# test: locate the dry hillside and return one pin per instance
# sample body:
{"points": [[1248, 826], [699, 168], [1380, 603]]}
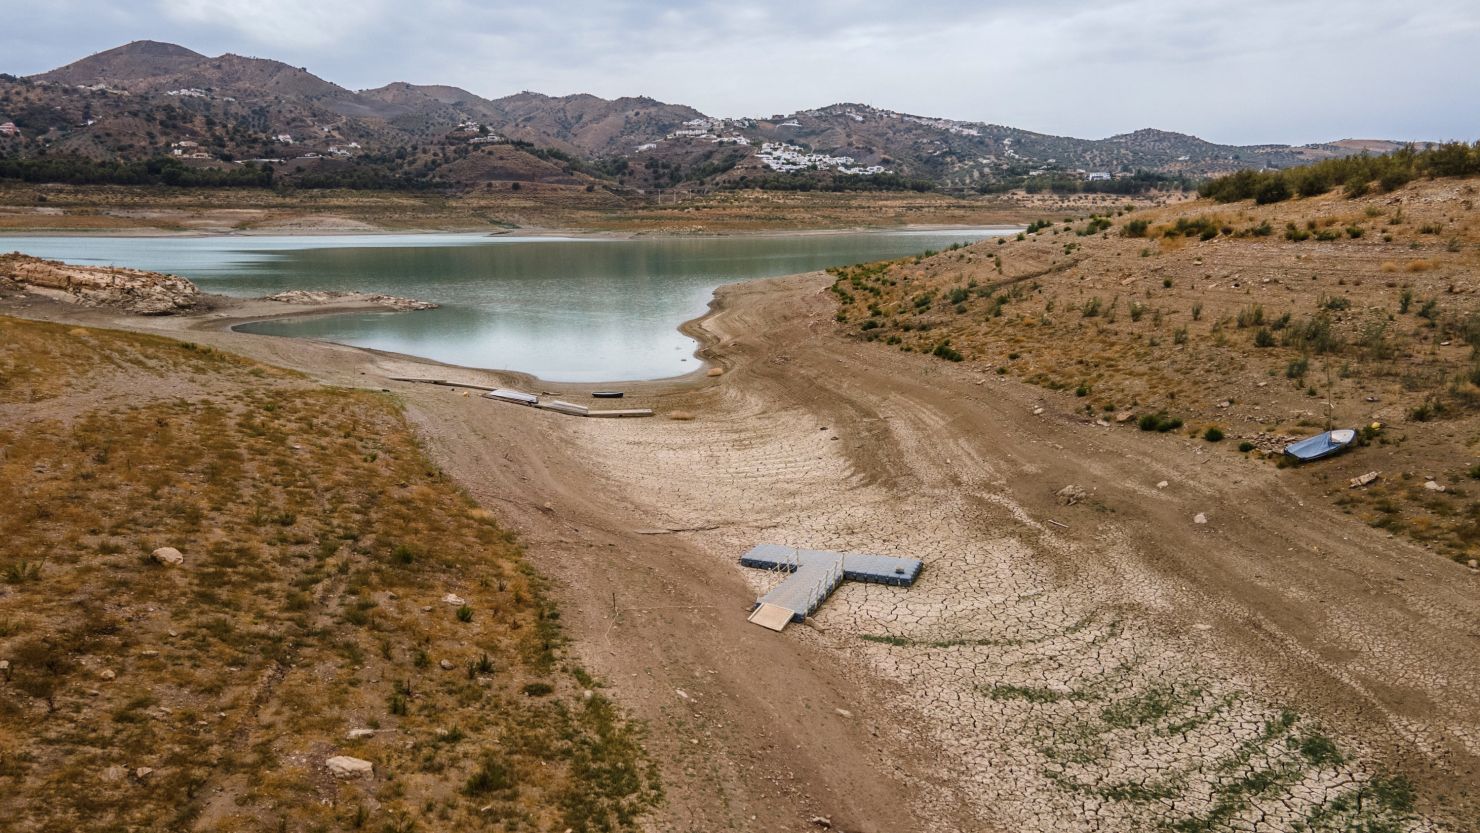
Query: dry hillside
{"points": [[338, 596], [1249, 325]]}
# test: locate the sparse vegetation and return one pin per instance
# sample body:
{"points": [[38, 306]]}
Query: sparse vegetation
{"points": [[314, 530]]}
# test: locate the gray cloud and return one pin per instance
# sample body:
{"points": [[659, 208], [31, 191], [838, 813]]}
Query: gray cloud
{"points": [[1255, 71]]}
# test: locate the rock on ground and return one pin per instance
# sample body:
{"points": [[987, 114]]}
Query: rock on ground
{"points": [[343, 766], [169, 556]]}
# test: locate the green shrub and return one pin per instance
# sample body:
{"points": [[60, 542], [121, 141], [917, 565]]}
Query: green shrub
{"points": [[1214, 434], [1246, 446], [945, 351], [1158, 422]]}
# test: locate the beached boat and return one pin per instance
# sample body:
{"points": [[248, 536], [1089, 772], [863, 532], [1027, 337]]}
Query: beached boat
{"points": [[1321, 445], [607, 394]]}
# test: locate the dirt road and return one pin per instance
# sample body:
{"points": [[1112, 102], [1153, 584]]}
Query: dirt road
{"points": [[1105, 665]]}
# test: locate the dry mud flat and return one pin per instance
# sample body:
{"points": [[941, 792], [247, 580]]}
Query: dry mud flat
{"points": [[1106, 665]]}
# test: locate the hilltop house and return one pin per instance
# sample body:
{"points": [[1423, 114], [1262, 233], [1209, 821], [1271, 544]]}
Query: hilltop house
{"points": [[1097, 176], [9, 129]]}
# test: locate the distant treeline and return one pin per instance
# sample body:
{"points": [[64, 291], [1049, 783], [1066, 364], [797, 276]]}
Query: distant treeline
{"points": [[76, 170], [1356, 175], [1140, 182], [805, 182]]}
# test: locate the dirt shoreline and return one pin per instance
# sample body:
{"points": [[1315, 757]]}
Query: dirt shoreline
{"points": [[579, 233], [811, 439]]}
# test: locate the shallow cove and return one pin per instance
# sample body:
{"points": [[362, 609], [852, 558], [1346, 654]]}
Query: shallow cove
{"points": [[561, 308]]}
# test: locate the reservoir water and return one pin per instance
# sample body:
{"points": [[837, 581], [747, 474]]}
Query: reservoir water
{"points": [[561, 308]]}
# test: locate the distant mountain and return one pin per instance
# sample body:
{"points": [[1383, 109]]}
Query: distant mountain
{"points": [[147, 99], [122, 65]]}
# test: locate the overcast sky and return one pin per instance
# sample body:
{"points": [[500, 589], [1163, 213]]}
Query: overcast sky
{"points": [[1246, 71]]}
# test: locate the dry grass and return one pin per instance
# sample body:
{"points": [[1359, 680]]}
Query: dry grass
{"points": [[1265, 321], [319, 543]]}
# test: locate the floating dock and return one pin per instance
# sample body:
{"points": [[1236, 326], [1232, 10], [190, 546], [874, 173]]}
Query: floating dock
{"points": [[815, 574], [518, 397]]}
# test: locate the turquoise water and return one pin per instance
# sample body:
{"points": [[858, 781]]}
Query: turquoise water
{"points": [[563, 309]]}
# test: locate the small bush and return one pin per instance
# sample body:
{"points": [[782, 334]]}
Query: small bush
{"points": [[464, 614], [1246, 446], [1214, 434], [945, 351], [1158, 422]]}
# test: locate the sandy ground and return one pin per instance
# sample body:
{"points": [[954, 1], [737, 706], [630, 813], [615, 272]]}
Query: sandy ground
{"points": [[1106, 665]]}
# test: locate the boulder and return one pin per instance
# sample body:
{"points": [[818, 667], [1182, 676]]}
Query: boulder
{"points": [[1364, 479], [343, 766], [169, 556], [1200, 518], [1071, 494], [454, 599], [360, 734]]}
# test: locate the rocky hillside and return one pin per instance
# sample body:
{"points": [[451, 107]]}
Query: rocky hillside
{"points": [[1238, 328], [131, 290], [147, 100]]}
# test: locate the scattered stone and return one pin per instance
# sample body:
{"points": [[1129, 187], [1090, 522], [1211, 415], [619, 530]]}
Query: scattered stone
{"points": [[1364, 479], [1433, 486], [1124, 416], [115, 773], [715, 371], [1162, 485], [1473, 564], [4, 666], [454, 599], [360, 734], [446, 664], [587, 694], [1200, 518], [682, 695], [143, 772], [1202, 626], [313, 297], [343, 766], [107, 674], [169, 556], [1071, 494], [843, 712], [823, 822], [1037, 411], [680, 416]]}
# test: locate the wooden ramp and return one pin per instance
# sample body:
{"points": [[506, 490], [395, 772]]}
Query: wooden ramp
{"points": [[771, 616]]}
